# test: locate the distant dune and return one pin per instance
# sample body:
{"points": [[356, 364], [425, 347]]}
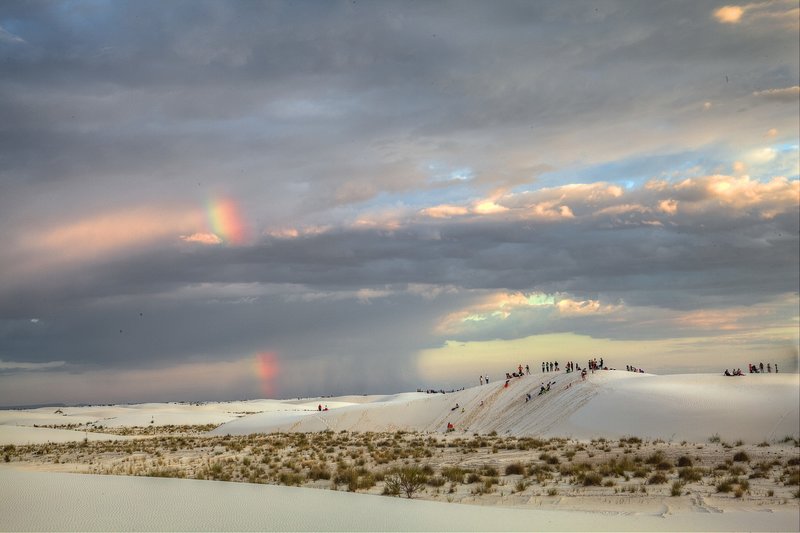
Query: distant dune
{"points": [[611, 404], [608, 404]]}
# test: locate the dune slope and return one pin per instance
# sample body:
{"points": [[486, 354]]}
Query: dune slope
{"points": [[607, 404]]}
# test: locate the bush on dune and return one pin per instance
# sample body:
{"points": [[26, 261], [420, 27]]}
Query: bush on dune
{"points": [[406, 480]]}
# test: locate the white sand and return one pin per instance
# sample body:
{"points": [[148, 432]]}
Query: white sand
{"points": [[18, 435], [608, 404], [79, 502]]}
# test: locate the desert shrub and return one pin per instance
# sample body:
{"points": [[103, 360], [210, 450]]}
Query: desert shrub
{"points": [[390, 488], [677, 487], [741, 457], [689, 474], [165, 472], [684, 461], [552, 492], [715, 438], [515, 469], [489, 481], [655, 458], [588, 479], [291, 478], [736, 470], [486, 470], [346, 475], [436, 481], [617, 468], [319, 472], [454, 474], [549, 459], [664, 465], [473, 477], [794, 461], [521, 485], [565, 469], [406, 480], [657, 479], [725, 486]]}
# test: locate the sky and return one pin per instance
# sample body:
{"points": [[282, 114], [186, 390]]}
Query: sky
{"points": [[231, 200]]}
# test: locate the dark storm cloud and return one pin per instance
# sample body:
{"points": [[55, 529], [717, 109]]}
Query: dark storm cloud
{"points": [[355, 118]]}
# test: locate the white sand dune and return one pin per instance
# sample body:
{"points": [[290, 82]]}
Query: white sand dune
{"points": [[608, 404], [17, 425], [18, 435], [78, 502]]}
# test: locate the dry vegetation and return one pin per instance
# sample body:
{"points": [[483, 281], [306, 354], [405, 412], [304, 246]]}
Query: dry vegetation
{"points": [[478, 468]]}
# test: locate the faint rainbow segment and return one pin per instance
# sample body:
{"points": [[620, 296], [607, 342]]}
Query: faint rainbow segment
{"points": [[267, 369], [226, 220]]}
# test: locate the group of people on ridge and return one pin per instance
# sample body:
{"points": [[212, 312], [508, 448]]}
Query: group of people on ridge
{"points": [[759, 368], [753, 369]]}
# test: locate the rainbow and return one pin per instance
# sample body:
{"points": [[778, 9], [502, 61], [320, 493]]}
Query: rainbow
{"points": [[226, 221], [267, 369]]}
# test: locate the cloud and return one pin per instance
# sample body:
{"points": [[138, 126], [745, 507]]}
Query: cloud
{"points": [[202, 238], [729, 14], [98, 234], [389, 179], [8, 37], [15, 366], [445, 211], [786, 94], [783, 12]]}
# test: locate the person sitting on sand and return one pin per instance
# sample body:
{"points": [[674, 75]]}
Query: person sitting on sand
{"points": [[727, 373], [450, 427]]}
